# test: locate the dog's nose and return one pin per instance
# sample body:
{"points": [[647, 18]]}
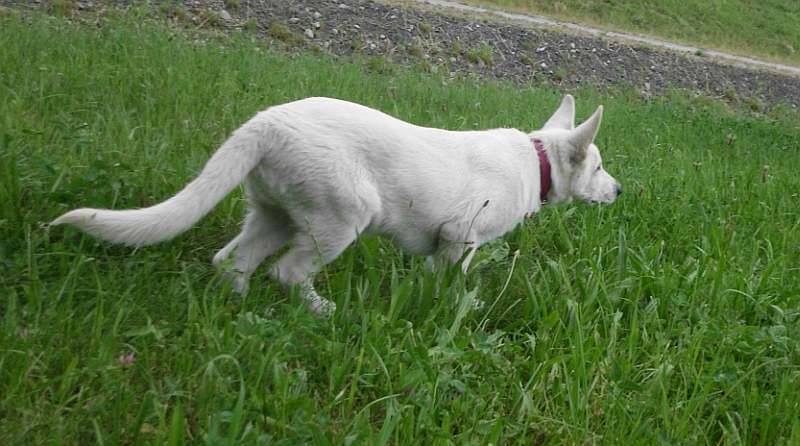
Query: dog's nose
{"points": [[619, 189]]}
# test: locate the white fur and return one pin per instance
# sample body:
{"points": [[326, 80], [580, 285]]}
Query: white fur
{"points": [[319, 172]]}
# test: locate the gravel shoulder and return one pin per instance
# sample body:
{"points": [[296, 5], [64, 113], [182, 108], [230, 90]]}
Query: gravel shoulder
{"points": [[624, 37], [458, 44]]}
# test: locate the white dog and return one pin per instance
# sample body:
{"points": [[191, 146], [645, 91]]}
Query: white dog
{"points": [[319, 172]]}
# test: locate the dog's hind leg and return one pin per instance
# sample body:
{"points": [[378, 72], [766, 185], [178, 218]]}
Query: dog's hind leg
{"points": [[311, 249], [264, 231]]}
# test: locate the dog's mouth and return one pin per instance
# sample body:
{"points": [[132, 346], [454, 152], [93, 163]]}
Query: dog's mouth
{"points": [[599, 201]]}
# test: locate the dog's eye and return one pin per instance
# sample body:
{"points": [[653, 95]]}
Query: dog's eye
{"points": [[599, 166]]}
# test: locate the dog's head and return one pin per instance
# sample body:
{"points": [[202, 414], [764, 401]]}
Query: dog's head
{"points": [[577, 168]]}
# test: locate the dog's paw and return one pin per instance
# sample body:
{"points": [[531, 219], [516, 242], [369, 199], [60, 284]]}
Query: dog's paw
{"points": [[239, 282], [322, 307], [319, 305]]}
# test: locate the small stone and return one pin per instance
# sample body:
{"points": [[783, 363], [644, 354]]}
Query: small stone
{"points": [[317, 15], [356, 27], [316, 25], [309, 33], [225, 15], [541, 49], [382, 36], [343, 6], [294, 20], [335, 31], [543, 66]]}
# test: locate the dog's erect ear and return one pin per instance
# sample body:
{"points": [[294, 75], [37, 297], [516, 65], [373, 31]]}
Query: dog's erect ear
{"points": [[564, 117], [583, 135]]}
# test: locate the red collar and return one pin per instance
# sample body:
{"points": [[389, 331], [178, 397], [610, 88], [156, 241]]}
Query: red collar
{"points": [[544, 169]]}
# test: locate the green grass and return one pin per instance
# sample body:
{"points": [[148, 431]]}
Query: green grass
{"points": [[670, 317], [767, 29]]}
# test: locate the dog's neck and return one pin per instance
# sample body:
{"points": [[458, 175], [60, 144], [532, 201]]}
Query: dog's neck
{"points": [[545, 180]]}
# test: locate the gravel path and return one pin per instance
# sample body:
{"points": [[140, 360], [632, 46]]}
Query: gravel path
{"points": [[457, 44], [633, 39]]}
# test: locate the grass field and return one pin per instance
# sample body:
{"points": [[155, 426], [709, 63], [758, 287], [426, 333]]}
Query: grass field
{"points": [[670, 317], [767, 28]]}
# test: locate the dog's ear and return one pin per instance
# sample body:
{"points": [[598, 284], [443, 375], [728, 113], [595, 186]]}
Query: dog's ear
{"points": [[583, 135], [564, 117]]}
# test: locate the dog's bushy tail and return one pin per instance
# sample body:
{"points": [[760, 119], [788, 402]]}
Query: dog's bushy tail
{"points": [[140, 227]]}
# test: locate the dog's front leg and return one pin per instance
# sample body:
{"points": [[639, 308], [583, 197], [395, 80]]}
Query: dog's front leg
{"points": [[430, 264], [457, 244]]}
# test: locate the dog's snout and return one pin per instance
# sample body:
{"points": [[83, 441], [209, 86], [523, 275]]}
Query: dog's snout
{"points": [[619, 189]]}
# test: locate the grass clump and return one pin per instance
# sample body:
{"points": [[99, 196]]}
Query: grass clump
{"points": [[482, 53], [380, 65], [210, 18], [560, 74], [755, 104], [5, 12], [283, 33], [456, 50], [251, 24], [526, 59], [729, 92], [63, 7], [358, 42], [175, 11], [415, 49], [425, 27]]}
